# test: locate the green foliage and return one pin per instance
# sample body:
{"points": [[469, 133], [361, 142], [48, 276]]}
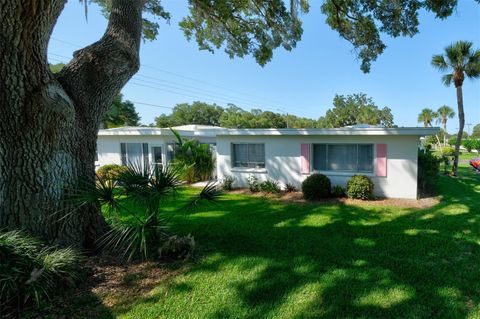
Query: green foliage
{"points": [[235, 117], [316, 186], [471, 144], [177, 247], [290, 188], [121, 113], [360, 187], [227, 182], [55, 68], [193, 160], [428, 169], [253, 183], [195, 113], [355, 109], [138, 229], [427, 116], [338, 191], [110, 170], [32, 271], [270, 186], [447, 151], [444, 113], [476, 131]]}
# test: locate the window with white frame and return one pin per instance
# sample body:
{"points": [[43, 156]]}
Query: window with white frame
{"points": [[135, 154], [248, 155], [355, 158]]}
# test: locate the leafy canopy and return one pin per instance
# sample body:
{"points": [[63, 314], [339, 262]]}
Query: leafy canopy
{"points": [[427, 116], [257, 27], [121, 113], [459, 60], [355, 109]]}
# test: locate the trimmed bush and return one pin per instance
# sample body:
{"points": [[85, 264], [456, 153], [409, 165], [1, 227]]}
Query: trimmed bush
{"points": [[31, 271], [338, 191], [111, 171], [227, 183], [270, 186], [290, 188], [253, 183], [428, 169], [360, 187], [316, 186]]}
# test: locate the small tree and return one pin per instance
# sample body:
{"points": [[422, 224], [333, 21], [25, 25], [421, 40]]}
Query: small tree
{"points": [[443, 114]]}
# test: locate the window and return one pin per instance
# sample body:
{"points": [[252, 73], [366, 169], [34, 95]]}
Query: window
{"points": [[157, 156], [343, 157], [172, 148], [134, 154], [248, 155]]}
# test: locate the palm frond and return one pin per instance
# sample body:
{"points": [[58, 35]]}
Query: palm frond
{"points": [[177, 135], [439, 62], [447, 79], [210, 193]]}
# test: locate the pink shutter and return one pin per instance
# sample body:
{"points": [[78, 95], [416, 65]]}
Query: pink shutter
{"points": [[305, 158], [381, 160]]}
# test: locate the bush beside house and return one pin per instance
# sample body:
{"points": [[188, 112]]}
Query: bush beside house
{"points": [[316, 186], [360, 187]]}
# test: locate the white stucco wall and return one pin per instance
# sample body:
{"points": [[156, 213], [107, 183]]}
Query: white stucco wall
{"points": [[282, 161]]}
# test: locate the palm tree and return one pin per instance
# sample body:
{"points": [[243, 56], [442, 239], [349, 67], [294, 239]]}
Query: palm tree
{"points": [[459, 60], [443, 114], [427, 116]]}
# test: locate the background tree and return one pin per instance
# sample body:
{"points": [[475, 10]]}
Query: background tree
{"points": [[427, 116], [459, 60], [196, 113], [355, 109], [443, 114], [121, 113], [57, 148], [476, 131]]}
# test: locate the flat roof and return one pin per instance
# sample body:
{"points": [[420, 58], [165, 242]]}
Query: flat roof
{"points": [[183, 130], [416, 131]]}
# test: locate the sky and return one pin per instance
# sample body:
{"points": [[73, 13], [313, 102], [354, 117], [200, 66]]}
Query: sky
{"points": [[302, 82]]}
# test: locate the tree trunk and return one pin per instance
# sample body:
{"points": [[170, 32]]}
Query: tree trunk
{"points": [[444, 133], [49, 124], [461, 120]]}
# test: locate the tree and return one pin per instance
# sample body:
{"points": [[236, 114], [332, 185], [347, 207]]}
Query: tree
{"points": [[49, 122], [353, 110], [196, 113], [121, 113], [443, 114], [427, 116], [460, 61], [476, 131]]}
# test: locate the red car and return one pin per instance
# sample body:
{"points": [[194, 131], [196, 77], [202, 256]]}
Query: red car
{"points": [[475, 163]]}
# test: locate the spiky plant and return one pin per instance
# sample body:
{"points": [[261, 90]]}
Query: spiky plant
{"points": [[460, 61]]}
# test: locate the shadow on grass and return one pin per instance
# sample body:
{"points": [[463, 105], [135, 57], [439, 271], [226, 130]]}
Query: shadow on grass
{"points": [[265, 259]]}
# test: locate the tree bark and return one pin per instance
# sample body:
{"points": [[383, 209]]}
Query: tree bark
{"points": [[461, 120], [49, 124]]}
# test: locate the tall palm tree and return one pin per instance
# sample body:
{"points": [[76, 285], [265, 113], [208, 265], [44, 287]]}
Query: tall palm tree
{"points": [[427, 116], [460, 61], [444, 113]]}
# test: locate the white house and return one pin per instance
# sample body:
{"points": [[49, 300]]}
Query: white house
{"points": [[146, 145], [387, 155]]}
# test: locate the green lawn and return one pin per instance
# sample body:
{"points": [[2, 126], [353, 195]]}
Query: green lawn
{"points": [[261, 258]]}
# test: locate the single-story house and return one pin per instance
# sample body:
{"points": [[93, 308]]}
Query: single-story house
{"points": [[387, 155], [147, 145]]}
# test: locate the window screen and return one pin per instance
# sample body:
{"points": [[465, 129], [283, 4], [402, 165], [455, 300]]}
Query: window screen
{"points": [[134, 154], [248, 155], [343, 157]]}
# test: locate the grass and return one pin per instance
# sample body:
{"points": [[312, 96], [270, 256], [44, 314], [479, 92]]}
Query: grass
{"points": [[261, 258]]}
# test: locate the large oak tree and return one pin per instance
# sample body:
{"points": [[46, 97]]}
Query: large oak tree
{"points": [[49, 122]]}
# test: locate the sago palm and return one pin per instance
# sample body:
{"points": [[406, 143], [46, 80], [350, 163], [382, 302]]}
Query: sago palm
{"points": [[443, 114], [461, 61]]}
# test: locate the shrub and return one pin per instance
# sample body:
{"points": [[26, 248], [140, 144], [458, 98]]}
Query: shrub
{"points": [[177, 247], [452, 140], [290, 188], [316, 186], [428, 169], [136, 230], [338, 191], [253, 183], [31, 271], [227, 182], [270, 186], [471, 144], [447, 151], [360, 187], [110, 170]]}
